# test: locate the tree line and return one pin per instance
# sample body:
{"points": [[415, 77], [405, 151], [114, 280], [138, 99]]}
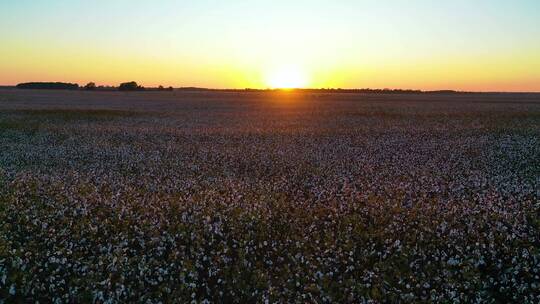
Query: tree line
{"points": [[48, 86], [134, 86], [91, 86]]}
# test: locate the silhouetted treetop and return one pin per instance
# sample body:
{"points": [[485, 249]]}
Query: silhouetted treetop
{"points": [[130, 86], [48, 86], [90, 86]]}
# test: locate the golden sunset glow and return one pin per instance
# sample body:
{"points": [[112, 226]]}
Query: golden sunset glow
{"points": [[350, 44]]}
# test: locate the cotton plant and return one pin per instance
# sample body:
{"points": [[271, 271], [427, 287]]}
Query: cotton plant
{"points": [[262, 203]]}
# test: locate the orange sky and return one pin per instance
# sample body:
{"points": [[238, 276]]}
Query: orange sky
{"points": [[480, 46]]}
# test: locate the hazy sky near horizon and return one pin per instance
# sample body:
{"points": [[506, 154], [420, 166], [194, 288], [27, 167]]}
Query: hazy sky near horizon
{"points": [[484, 45]]}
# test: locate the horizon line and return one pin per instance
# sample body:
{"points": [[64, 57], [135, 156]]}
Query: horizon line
{"points": [[247, 89]]}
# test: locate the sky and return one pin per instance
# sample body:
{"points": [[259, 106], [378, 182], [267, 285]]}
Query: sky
{"points": [[473, 45]]}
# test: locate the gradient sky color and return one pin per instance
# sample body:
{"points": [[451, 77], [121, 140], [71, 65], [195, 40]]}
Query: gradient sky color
{"points": [[481, 45]]}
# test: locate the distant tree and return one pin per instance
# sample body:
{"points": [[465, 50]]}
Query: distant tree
{"points": [[160, 88], [90, 86], [48, 86], [130, 86], [170, 89]]}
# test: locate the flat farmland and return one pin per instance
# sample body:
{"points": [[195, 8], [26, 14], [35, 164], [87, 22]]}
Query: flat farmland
{"points": [[269, 196]]}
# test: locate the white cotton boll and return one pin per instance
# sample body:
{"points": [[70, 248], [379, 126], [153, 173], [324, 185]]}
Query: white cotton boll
{"points": [[12, 290]]}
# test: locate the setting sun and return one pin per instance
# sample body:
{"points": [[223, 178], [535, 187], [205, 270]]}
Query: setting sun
{"points": [[287, 77]]}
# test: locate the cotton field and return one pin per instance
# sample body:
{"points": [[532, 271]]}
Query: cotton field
{"points": [[269, 197]]}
